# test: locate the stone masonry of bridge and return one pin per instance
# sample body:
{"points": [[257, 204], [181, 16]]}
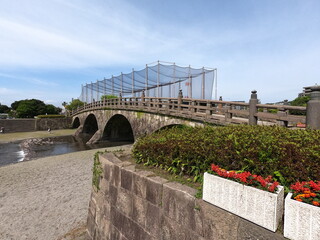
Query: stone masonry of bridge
{"points": [[141, 123]]}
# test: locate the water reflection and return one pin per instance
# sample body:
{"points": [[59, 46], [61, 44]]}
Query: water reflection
{"points": [[14, 153]]}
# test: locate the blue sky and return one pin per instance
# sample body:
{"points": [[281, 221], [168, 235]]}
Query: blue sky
{"points": [[49, 48]]}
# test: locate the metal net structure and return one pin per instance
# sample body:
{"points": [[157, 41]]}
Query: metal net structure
{"points": [[159, 79]]}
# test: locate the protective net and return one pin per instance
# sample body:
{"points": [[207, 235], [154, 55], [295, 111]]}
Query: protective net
{"points": [[156, 80]]}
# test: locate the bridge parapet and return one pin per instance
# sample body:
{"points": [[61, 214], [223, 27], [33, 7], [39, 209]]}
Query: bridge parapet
{"points": [[211, 111]]}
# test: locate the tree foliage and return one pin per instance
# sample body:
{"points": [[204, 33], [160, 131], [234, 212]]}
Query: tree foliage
{"points": [[299, 101], [4, 108], [74, 104], [29, 108], [108, 97]]}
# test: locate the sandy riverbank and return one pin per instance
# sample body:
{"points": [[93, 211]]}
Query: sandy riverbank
{"points": [[45, 198]]}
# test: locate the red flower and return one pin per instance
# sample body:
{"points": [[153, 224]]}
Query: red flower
{"points": [[247, 178], [316, 203]]}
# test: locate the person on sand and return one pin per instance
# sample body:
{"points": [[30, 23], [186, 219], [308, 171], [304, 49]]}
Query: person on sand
{"points": [[2, 130], [49, 130]]}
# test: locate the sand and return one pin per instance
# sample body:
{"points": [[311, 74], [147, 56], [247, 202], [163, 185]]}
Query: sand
{"points": [[45, 198]]}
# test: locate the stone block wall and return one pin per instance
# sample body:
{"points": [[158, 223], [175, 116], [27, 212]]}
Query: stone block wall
{"points": [[136, 205], [30, 125]]}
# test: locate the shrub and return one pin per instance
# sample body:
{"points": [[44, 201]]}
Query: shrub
{"points": [[51, 116], [287, 155]]}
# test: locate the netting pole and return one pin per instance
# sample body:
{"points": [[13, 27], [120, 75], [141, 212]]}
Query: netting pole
{"points": [[121, 84], [105, 86], [189, 85], [104, 91], [174, 81], [146, 86], [158, 79], [132, 76], [203, 84], [91, 92], [97, 90], [87, 93], [81, 93], [112, 85], [216, 83]]}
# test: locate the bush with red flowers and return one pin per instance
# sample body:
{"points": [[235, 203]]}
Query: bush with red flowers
{"points": [[308, 192], [247, 178]]}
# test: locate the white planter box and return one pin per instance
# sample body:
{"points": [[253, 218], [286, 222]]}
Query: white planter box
{"points": [[301, 220], [260, 207]]}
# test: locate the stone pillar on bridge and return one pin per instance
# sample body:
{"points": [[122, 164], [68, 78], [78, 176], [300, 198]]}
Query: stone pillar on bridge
{"points": [[283, 113], [142, 98], [253, 120], [313, 109], [120, 99], [180, 96]]}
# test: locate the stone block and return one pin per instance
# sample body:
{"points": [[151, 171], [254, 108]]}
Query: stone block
{"points": [[114, 233], [126, 177], [92, 207], [111, 168], [116, 176], [106, 210], [113, 195], [153, 219], [139, 210], [124, 202], [301, 220], [154, 189], [110, 157], [139, 183], [129, 228], [217, 223], [261, 207], [91, 225], [171, 230], [179, 204], [250, 231]]}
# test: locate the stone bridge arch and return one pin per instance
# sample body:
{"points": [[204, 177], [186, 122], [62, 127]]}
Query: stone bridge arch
{"points": [[141, 123], [118, 128]]}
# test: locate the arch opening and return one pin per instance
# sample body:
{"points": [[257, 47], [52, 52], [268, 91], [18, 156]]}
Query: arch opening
{"points": [[119, 129], [90, 126], [76, 123]]}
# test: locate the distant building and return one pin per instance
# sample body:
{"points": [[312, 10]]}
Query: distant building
{"points": [[306, 91]]}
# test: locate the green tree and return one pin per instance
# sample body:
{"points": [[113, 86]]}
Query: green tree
{"points": [[4, 108], [51, 109], [108, 97], [74, 104], [299, 101], [15, 104], [30, 107]]}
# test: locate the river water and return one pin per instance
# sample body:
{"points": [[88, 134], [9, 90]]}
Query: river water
{"points": [[19, 151]]}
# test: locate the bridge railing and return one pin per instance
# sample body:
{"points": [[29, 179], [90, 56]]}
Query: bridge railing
{"points": [[214, 111]]}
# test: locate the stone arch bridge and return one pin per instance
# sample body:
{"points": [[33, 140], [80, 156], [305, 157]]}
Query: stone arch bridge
{"points": [[122, 125], [127, 118]]}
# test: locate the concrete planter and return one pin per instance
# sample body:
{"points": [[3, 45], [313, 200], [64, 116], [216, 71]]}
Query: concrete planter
{"points": [[260, 207], [301, 220]]}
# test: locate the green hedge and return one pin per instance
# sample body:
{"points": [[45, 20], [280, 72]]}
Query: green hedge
{"points": [[51, 116], [288, 155]]}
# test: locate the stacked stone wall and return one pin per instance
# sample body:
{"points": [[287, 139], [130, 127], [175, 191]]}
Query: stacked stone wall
{"points": [[29, 125], [136, 205]]}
